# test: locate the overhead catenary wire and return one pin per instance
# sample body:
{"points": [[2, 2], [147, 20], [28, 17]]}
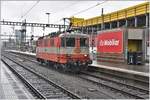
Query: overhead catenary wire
{"points": [[66, 7], [89, 8], [30, 9], [98, 4]]}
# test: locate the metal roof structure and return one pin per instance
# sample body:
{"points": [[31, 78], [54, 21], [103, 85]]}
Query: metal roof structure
{"points": [[114, 16]]}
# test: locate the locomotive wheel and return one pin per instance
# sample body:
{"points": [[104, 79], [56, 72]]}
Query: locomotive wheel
{"points": [[55, 65], [41, 61], [50, 64], [58, 66], [46, 62], [64, 68], [74, 69]]}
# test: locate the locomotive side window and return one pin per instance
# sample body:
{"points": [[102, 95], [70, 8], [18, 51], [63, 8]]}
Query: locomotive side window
{"points": [[52, 41], [70, 42], [45, 42], [83, 42], [37, 43], [63, 42], [40, 43]]}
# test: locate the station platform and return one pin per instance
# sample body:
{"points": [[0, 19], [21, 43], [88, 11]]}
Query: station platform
{"points": [[27, 53], [10, 86], [142, 70]]}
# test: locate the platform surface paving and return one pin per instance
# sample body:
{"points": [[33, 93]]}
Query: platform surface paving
{"points": [[133, 69], [10, 86]]}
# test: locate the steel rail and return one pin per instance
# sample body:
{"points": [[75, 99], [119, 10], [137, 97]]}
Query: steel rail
{"points": [[69, 93], [129, 78], [100, 78], [107, 85], [120, 76], [34, 90], [121, 83]]}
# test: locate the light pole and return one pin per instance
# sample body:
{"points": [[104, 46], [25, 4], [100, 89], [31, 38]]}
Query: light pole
{"points": [[102, 14], [48, 16]]}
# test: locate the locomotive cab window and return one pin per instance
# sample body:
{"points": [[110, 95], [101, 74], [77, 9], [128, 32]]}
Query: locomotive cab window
{"points": [[83, 42], [70, 42]]}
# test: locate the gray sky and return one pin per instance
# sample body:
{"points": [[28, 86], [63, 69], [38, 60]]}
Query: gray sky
{"points": [[13, 10]]}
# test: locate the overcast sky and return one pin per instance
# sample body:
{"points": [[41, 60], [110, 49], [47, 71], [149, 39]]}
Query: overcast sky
{"points": [[14, 10]]}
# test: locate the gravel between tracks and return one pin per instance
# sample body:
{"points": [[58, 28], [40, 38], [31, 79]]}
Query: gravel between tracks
{"points": [[75, 84]]}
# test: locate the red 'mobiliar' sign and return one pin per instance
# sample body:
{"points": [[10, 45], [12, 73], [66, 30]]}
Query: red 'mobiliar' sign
{"points": [[110, 42]]}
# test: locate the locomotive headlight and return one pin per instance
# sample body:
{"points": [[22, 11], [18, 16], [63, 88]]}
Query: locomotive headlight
{"points": [[85, 55]]}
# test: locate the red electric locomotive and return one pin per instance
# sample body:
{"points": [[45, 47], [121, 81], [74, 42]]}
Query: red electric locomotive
{"points": [[67, 51]]}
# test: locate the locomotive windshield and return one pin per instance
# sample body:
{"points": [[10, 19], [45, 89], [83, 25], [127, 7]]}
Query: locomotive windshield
{"points": [[83, 42], [70, 42]]}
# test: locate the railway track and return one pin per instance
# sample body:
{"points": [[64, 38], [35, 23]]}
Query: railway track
{"points": [[136, 78], [42, 87], [40, 69], [137, 92], [101, 73], [109, 73], [124, 88]]}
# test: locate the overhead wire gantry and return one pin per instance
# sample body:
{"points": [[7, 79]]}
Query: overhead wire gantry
{"points": [[32, 24]]}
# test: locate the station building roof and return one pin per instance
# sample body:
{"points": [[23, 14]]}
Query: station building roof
{"points": [[132, 11]]}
